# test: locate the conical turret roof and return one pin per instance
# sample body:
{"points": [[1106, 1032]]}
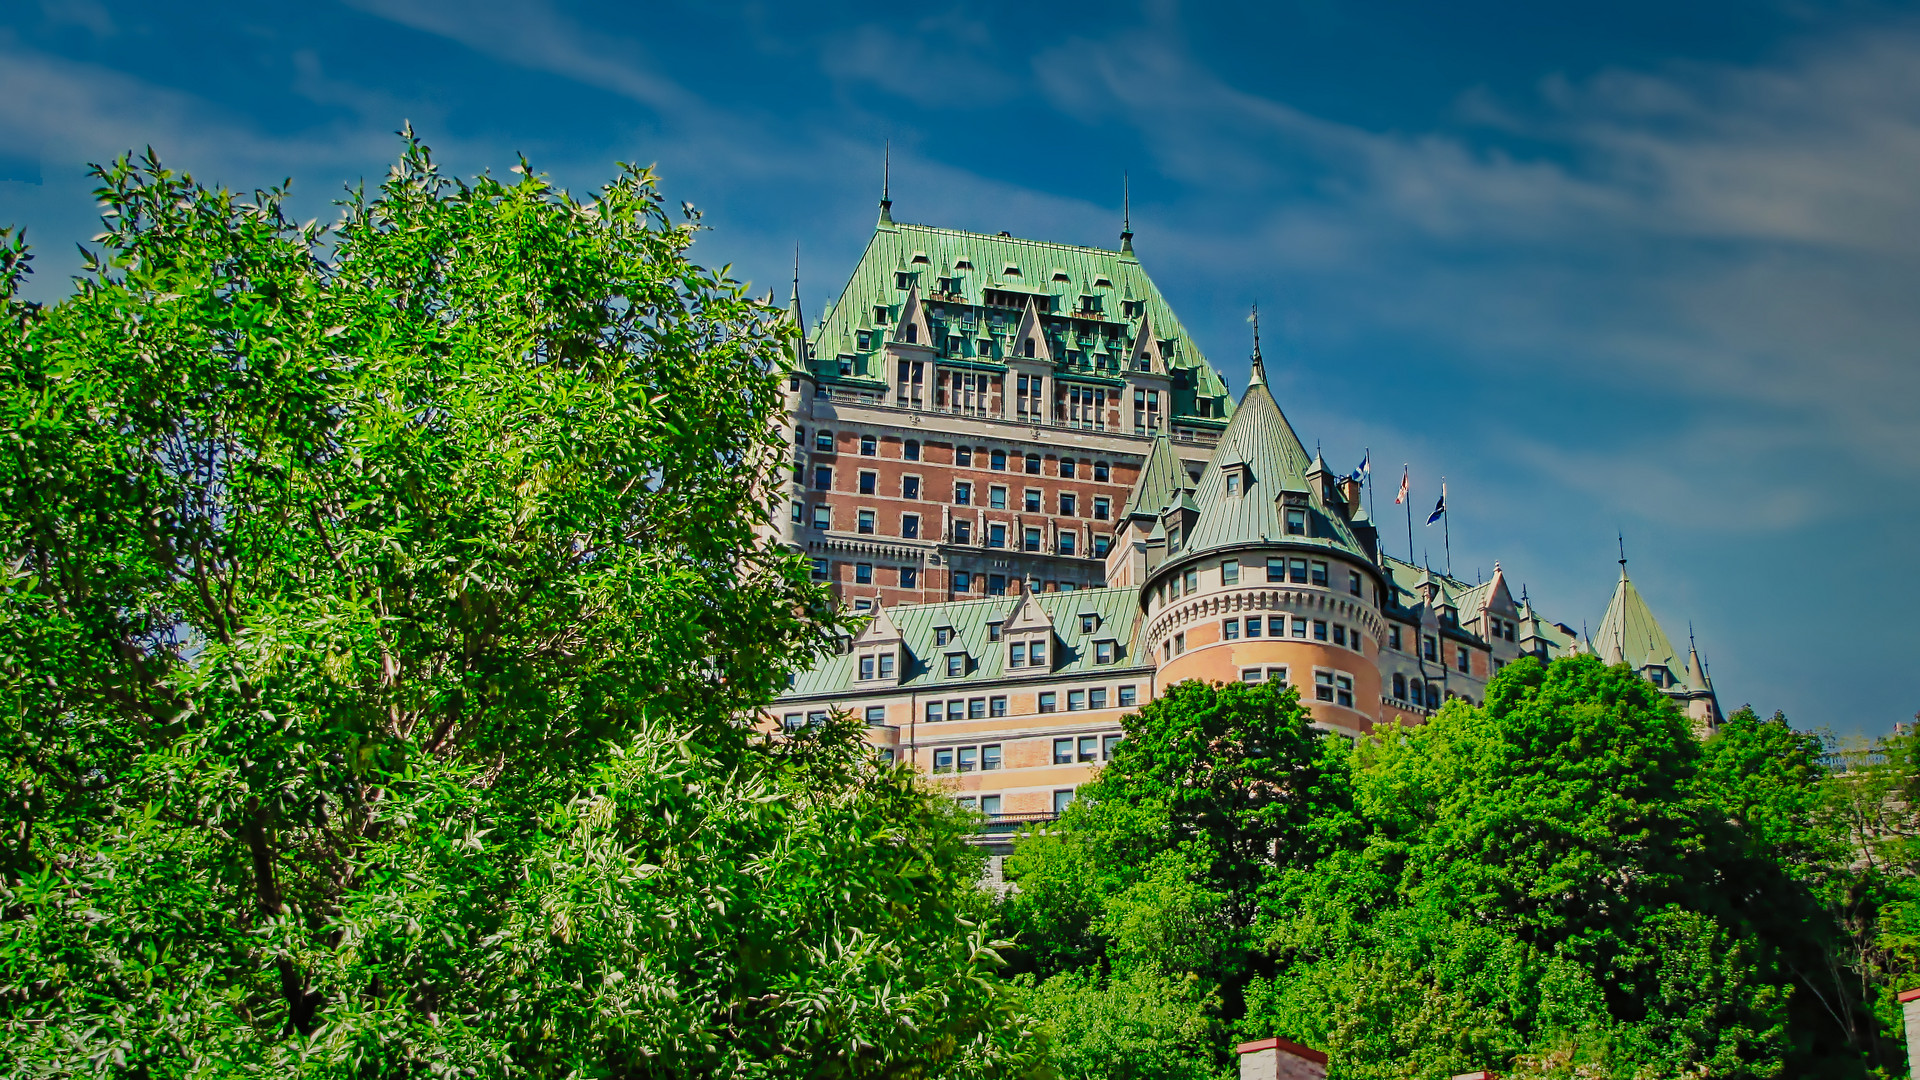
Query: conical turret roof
{"points": [[1260, 440], [1162, 478], [1630, 634]]}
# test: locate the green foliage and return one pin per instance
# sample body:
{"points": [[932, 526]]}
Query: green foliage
{"points": [[381, 610], [1140, 1025], [1563, 881]]}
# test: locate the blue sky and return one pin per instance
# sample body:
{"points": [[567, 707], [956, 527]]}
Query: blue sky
{"points": [[1646, 268]]}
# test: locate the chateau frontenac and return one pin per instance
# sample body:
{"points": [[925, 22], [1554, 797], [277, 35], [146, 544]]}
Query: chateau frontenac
{"points": [[1012, 458]]}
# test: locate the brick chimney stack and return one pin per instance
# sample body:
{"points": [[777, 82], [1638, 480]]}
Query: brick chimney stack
{"points": [[1278, 1059], [1909, 1012]]}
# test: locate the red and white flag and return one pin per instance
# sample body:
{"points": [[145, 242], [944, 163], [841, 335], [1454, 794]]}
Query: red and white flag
{"points": [[1402, 497]]}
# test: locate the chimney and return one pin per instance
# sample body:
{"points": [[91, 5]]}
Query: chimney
{"points": [[1350, 494], [1278, 1059], [1909, 1012]]}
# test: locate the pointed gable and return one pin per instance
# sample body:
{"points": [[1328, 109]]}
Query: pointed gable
{"points": [[1162, 478], [880, 630], [1030, 340], [1146, 349], [912, 327]]}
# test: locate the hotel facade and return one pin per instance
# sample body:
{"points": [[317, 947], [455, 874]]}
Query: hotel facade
{"points": [[1011, 457]]}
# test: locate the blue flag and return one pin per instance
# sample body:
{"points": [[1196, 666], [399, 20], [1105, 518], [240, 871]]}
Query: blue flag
{"points": [[1365, 468], [1439, 508]]}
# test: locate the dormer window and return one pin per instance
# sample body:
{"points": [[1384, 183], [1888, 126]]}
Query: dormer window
{"points": [[1102, 283], [1010, 270], [921, 257], [993, 631], [1089, 622], [902, 281], [1060, 275], [942, 635], [962, 263], [1296, 522], [1233, 483]]}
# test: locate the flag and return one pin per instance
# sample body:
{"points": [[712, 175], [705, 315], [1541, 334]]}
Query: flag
{"points": [[1402, 497], [1439, 508], [1364, 469]]}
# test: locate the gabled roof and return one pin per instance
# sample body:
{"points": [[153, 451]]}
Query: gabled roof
{"points": [[1260, 438], [925, 670], [893, 247], [1630, 634], [1162, 478]]}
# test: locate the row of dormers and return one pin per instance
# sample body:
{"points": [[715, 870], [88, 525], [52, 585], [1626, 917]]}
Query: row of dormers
{"points": [[1026, 634]]}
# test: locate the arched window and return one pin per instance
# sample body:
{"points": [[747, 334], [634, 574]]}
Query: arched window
{"points": [[1033, 464], [1433, 695], [1416, 692], [1000, 460], [1400, 688]]}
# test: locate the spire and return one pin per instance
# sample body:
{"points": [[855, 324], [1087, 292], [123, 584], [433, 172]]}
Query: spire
{"points": [[1126, 215], [1259, 366], [886, 183], [793, 313]]}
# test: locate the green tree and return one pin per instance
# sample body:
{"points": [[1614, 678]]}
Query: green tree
{"points": [[384, 611]]}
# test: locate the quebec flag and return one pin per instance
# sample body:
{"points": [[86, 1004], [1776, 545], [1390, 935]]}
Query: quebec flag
{"points": [[1439, 508]]}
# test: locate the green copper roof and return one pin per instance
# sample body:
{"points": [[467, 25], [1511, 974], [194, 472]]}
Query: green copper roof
{"points": [[1162, 478], [1056, 275], [1629, 633], [1260, 439], [925, 668]]}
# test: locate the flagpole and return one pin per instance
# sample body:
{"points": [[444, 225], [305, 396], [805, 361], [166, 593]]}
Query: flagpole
{"points": [[1446, 526], [1371, 515], [1409, 503]]}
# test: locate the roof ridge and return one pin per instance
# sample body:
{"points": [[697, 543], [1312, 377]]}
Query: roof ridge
{"points": [[998, 238]]}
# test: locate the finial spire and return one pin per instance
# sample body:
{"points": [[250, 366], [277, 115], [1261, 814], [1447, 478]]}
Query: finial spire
{"points": [[1259, 366], [886, 183], [1126, 214]]}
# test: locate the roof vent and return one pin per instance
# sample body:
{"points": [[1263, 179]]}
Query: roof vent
{"points": [[1060, 275]]}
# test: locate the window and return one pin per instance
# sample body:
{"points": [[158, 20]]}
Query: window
{"points": [[1276, 569], [1063, 751], [822, 516], [1233, 488], [1230, 630], [866, 666], [1299, 628], [1032, 500], [1049, 702], [1103, 652], [1102, 508], [1101, 545], [969, 758], [1089, 622], [1066, 467], [1319, 572], [876, 715], [1230, 572], [1277, 674], [1097, 698], [823, 477], [956, 665], [1393, 638], [909, 577], [1296, 523], [1253, 626], [956, 709], [823, 441], [911, 450], [1067, 542], [863, 573], [1089, 747], [943, 761], [1032, 539], [999, 461], [997, 497], [989, 804], [993, 631], [963, 532], [1319, 629], [792, 720], [942, 635], [1100, 471], [977, 708], [866, 522], [867, 446], [1037, 653], [799, 513], [1343, 690], [819, 569], [1062, 799], [910, 526], [1190, 581], [1416, 692], [1128, 695], [1353, 639], [869, 482], [936, 712], [1033, 464], [800, 436], [990, 762], [1339, 634], [962, 580], [1277, 625], [1430, 648], [1252, 674], [1068, 504], [1466, 661], [1017, 654], [1323, 685], [963, 456], [996, 537], [1433, 695], [1179, 643], [963, 494], [1076, 701], [997, 583], [1353, 582], [909, 487], [1400, 687]]}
